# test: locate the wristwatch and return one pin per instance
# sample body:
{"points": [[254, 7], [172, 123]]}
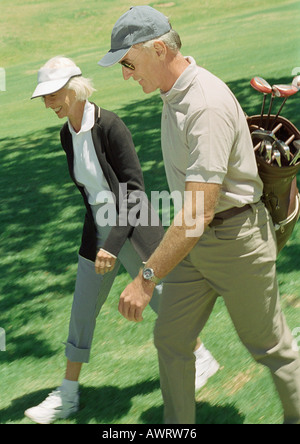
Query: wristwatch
{"points": [[148, 275]]}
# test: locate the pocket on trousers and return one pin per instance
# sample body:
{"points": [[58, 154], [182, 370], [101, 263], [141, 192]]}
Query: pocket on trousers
{"points": [[245, 226], [238, 227]]}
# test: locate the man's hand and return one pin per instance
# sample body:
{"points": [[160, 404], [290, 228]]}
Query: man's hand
{"points": [[105, 262], [135, 299]]}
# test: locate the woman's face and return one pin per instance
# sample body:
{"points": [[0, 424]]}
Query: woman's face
{"points": [[62, 102]]}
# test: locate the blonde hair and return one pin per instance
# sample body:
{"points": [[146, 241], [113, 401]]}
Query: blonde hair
{"points": [[82, 86]]}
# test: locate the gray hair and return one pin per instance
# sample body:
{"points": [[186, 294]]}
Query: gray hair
{"points": [[171, 40], [82, 86]]}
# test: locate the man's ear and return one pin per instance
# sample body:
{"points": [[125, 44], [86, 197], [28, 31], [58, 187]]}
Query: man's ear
{"points": [[160, 49]]}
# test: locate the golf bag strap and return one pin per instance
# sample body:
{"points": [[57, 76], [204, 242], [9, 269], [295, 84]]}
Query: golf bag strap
{"points": [[293, 215]]}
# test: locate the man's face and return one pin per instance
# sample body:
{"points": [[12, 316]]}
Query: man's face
{"points": [[147, 69]]}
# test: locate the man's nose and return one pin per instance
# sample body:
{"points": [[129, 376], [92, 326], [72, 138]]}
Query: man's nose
{"points": [[127, 73]]}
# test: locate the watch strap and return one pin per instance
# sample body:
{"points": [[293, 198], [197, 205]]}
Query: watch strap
{"points": [[153, 278]]}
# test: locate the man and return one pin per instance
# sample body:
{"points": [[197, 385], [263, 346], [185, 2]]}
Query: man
{"points": [[207, 150]]}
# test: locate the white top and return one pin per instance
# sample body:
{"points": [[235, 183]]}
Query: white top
{"points": [[205, 138], [87, 169]]}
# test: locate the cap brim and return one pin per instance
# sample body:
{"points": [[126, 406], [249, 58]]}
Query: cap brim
{"points": [[45, 88], [113, 57]]}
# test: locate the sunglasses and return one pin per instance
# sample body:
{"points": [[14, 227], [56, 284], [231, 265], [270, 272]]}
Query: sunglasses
{"points": [[128, 65]]}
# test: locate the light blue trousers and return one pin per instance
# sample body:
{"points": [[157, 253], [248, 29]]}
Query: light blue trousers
{"points": [[91, 291]]}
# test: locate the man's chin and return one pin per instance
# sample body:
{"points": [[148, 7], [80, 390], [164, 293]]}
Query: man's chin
{"points": [[148, 90]]}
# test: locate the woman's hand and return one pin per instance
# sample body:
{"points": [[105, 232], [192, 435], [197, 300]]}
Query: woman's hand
{"points": [[105, 262]]}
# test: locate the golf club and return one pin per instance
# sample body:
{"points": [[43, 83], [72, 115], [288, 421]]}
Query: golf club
{"points": [[270, 107], [290, 139], [296, 82], [287, 151], [277, 157], [262, 147], [269, 143], [263, 134], [284, 149], [269, 149], [296, 144], [296, 157], [283, 91], [264, 87]]}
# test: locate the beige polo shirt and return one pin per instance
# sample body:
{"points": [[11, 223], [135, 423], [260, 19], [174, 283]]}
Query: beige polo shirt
{"points": [[205, 138]]}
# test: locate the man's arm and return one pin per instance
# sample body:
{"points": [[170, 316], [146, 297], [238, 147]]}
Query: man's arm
{"points": [[175, 246]]}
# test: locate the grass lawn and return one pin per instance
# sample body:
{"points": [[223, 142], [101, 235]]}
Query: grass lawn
{"points": [[42, 213]]}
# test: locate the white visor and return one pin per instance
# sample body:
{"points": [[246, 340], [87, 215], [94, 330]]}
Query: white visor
{"points": [[52, 80]]}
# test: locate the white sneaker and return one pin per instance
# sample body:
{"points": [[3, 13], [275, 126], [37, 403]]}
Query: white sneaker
{"points": [[58, 405], [206, 366]]}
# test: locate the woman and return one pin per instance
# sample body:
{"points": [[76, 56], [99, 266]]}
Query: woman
{"points": [[104, 165]]}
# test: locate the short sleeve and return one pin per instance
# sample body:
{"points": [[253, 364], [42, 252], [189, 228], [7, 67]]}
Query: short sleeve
{"points": [[210, 138]]}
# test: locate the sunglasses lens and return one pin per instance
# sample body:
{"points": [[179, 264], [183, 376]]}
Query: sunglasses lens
{"points": [[128, 66]]}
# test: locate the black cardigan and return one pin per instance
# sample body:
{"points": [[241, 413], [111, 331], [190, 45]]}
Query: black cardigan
{"points": [[119, 162]]}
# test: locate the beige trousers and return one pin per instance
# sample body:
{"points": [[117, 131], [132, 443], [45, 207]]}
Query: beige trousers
{"points": [[236, 261]]}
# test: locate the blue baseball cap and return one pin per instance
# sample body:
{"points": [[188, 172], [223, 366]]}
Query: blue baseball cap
{"points": [[138, 25]]}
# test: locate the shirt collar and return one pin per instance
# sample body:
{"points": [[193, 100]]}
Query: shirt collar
{"points": [[88, 119], [184, 81]]}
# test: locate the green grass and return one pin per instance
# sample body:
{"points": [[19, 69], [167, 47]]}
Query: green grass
{"points": [[42, 214]]}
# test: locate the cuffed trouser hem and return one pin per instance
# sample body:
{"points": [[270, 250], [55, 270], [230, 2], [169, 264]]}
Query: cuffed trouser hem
{"points": [[75, 354], [90, 294]]}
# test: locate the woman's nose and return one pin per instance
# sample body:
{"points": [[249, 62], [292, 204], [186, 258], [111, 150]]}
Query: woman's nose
{"points": [[47, 101]]}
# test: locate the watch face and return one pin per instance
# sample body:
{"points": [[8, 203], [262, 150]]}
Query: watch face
{"points": [[148, 273]]}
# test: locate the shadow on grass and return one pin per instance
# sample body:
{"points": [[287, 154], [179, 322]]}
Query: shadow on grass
{"points": [[25, 345], [205, 414], [39, 234], [108, 404]]}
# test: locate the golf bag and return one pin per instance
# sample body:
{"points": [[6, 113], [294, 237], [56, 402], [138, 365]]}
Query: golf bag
{"points": [[280, 193]]}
